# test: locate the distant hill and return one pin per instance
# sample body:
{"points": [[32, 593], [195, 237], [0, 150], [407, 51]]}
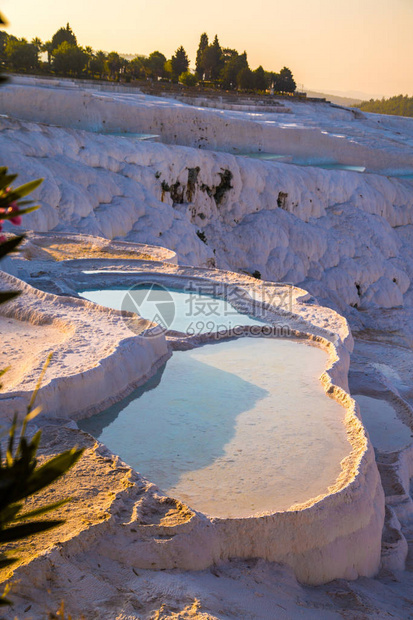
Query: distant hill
{"points": [[400, 105], [345, 101]]}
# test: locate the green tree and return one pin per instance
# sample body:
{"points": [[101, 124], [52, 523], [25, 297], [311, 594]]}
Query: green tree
{"points": [[97, 64], [179, 63], [124, 70], [62, 35], [212, 60], [286, 81], [48, 48], [69, 59], [277, 82], [229, 53], [38, 43], [400, 105], [90, 56], [155, 64], [167, 69], [245, 79], [136, 67], [269, 79], [188, 79], [114, 64], [4, 37], [199, 67], [260, 83], [231, 69], [21, 56]]}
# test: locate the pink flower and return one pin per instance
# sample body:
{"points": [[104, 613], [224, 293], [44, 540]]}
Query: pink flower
{"points": [[13, 206], [17, 220]]}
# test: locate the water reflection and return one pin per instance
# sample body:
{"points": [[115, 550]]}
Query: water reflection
{"points": [[182, 425]]}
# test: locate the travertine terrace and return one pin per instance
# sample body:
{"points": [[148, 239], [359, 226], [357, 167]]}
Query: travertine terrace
{"points": [[189, 206]]}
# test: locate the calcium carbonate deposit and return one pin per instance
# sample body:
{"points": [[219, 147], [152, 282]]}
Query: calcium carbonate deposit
{"points": [[344, 236], [301, 218]]}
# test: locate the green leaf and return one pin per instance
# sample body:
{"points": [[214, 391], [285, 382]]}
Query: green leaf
{"points": [[27, 188], [8, 216], [49, 472], [18, 532], [24, 202], [34, 444], [42, 510], [30, 415], [10, 245], [28, 209], [37, 388], [8, 513], [12, 436], [26, 450], [6, 179]]}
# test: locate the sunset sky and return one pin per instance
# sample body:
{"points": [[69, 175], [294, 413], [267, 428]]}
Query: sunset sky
{"points": [[330, 45]]}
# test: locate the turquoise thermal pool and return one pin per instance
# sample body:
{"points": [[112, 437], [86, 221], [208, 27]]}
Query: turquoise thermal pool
{"points": [[387, 432], [190, 312], [129, 134], [306, 161], [300, 161], [233, 429]]}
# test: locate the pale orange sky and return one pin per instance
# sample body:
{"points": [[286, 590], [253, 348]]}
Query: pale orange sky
{"points": [[330, 45]]}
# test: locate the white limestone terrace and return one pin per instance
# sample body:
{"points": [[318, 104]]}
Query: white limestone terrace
{"points": [[344, 236], [330, 536], [130, 524], [63, 247], [95, 361], [319, 131]]}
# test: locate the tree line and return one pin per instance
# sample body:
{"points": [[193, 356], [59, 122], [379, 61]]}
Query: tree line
{"points": [[215, 66], [400, 105], [229, 69]]}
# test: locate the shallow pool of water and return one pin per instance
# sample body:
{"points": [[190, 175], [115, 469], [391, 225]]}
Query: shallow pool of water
{"points": [[269, 157], [188, 311], [334, 166], [387, 432], [233, 429], [290, 159], [406, 177], [129, 134]]}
